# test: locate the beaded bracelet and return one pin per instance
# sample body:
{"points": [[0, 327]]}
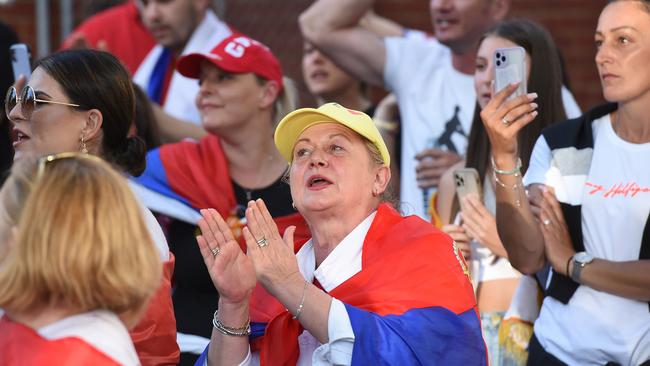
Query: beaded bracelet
{"points": [[244, 331], [302, 301], [515, 187], [515, 171]]}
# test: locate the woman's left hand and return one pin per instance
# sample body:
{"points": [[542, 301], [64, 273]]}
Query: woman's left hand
{"points": [[557, 241], [481, 225], [272, 255]]}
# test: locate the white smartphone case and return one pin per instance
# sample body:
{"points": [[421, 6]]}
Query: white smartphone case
{"points": [[510, 67], [20, 60]]}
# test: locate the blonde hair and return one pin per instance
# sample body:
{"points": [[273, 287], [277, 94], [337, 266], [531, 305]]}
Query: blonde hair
{"points": [[81, 243], [286, 101]]}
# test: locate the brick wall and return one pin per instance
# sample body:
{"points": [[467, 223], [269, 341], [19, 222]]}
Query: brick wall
{"points": [[571, 22]]}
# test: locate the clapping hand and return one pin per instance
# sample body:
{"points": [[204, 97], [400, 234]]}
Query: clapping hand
{"points": [[231, 271], [272, 255]]}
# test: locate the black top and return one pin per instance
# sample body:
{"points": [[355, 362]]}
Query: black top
{"points": [[194, 296]]}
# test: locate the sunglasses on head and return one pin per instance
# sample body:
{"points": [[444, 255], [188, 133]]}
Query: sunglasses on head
{"points": [[27, 100]]}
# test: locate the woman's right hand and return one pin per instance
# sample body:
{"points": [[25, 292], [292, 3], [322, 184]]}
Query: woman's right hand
{"points": [[232, 272], [462, 239], [504, 118]]}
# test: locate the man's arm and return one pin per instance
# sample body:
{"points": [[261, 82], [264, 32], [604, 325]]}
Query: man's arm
{"points": [[381, 26], [173, 129], [333, 27]]}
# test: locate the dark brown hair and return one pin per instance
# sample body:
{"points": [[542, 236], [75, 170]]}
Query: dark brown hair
{"points": [[97, 80]]}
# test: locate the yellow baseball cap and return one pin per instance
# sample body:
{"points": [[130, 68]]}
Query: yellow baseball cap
{"points": [[294, 123]]}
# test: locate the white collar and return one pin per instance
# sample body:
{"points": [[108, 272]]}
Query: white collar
{"points": [[341, 264], [101, 329], [210, 30]]}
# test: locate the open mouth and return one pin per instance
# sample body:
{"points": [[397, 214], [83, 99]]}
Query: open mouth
{"points": [[318, 181], [318, 75], [444, 23], [19, 137]]}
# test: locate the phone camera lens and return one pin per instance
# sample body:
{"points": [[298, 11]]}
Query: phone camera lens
{"points": [[503, 58], [498, 55], [498, 63]]}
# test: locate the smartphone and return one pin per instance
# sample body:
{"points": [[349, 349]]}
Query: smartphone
{"points": [[510, 67], [467, 181], [21, 60]]}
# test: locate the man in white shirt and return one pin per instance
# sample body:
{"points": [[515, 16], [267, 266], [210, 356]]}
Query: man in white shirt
{"points": [[180, 27], [432, 79]]}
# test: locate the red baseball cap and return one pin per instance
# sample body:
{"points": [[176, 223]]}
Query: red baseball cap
{"points": [[235, 54]]}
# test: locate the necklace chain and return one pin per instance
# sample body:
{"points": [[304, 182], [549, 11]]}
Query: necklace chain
{"points": [[256, 187]]}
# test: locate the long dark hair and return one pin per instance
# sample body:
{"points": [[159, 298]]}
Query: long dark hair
{"points": [[97, 80], [545, 79]]}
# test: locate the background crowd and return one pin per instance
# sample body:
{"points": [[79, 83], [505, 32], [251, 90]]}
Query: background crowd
{"points": [[362, 249]]}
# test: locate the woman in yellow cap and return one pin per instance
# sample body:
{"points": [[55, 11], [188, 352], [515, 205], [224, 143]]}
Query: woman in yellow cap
{"points": [[370, 287]]}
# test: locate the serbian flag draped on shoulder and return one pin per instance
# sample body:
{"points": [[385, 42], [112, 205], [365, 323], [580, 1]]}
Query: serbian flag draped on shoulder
{"points": [[184, 177], [411, 304]]}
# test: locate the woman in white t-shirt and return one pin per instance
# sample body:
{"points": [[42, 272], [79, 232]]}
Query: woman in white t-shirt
{"points": [[475, 229], [589, 189]]}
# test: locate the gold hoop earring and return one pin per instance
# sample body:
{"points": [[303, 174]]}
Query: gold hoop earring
{"points": [[84, 148], [293, 204]]}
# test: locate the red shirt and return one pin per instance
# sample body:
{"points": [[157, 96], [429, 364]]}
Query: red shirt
{"points": [[121, 31]]}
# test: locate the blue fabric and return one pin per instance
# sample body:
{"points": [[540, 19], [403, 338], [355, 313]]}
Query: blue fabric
{"points": [[257, 330], [157, 78], [155, 177], [428, 336], [203, 359]]}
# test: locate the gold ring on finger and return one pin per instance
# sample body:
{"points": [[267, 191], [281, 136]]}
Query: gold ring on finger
{"points": [[505, 121]]}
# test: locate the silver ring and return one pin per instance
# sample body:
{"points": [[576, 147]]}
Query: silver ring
{"points": [[215, 251], [546, 222], [505, 121], [262, 242]]}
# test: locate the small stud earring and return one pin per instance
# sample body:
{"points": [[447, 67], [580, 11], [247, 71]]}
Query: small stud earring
{"points": [[84, 148]]}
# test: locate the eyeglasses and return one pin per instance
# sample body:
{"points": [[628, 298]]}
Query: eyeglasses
{"points": [[27, 101], [43, 161]]}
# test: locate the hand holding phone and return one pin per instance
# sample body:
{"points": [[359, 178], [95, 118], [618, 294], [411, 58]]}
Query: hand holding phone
{"points": [[510, 67], [21, 61]]}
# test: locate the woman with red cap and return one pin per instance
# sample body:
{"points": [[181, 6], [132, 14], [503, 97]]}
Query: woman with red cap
{"points": [[242, 95]]}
